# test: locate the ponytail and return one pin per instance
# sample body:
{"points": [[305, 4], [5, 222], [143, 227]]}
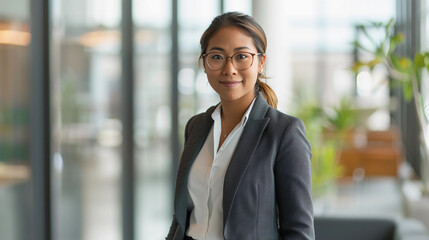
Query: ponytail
{"points": [[268, 93]]}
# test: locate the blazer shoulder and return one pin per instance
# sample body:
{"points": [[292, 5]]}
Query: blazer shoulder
{"points": [[283, 120], [200, 116], [198, 119]]}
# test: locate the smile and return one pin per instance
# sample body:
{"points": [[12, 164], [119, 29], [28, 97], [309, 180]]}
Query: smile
{"points": [[230, 83]]}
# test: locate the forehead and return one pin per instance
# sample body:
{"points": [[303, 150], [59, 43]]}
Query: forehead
{"points": [[231, 38]]}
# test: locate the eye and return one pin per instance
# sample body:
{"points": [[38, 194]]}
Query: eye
{"points": [[241, 56], [216, 56]]}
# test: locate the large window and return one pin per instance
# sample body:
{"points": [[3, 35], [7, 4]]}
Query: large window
{"points": [[14, 119], [320, 37], [196, 94], [152, 41], [86, 93]]}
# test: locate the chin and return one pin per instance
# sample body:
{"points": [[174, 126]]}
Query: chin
{"points": [[232, 97]]}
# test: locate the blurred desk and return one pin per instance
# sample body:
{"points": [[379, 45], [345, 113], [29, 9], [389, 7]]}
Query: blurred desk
{"points": [[377, 153]]}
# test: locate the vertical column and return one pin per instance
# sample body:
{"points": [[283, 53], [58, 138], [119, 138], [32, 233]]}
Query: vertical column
{"points": [[174, 92], [128, 195], [409, 23], [40, 142], [278, 64]]}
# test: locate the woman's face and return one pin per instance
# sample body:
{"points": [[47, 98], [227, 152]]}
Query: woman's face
{"points": [[229, 82]]}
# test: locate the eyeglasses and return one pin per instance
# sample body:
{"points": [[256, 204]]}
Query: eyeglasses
{"points": [[241, 60]]}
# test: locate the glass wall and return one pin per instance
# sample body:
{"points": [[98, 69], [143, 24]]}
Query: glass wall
{"points": [[14, 119], [86, 93], [326, 92], [244, 6], [152, 24], [320, 36], [195, 94]]}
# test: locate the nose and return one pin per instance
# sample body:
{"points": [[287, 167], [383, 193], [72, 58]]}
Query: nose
{"points": [[229, 68]]}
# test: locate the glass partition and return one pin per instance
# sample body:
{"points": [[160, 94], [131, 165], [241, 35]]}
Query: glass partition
{"points": [[152, 86], [196, 94], [14, 119], [320, 36], [87, 138], [244, 6]]}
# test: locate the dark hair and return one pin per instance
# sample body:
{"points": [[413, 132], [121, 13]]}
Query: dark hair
{"points": [[253, 30]]}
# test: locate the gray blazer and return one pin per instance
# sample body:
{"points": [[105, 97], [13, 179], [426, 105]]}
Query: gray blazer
{"points": [[267, 188]]}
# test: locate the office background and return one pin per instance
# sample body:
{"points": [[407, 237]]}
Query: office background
{"points": [[95, 94]]}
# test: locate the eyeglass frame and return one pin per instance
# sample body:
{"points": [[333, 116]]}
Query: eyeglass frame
{"points": [[226, 60]]}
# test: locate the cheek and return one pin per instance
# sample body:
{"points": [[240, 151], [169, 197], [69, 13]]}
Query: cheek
{"points": [[252, 74], [211, 76]]}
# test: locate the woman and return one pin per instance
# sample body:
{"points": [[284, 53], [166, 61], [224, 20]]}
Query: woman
{"points": [[245, 170]]}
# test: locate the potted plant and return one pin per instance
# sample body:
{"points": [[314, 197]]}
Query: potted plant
{"points": [[402, 71]]}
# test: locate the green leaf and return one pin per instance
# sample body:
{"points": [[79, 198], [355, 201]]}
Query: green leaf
{"points": [[422, 105], [426, 58], [419, 60], [380, 53], [401, 64], [374, 62], [395, 61], [377, 24], [357, 66], [404, 63], [358, 45], [389, 27], [367, 35], [324, 166], [343, 117], [407, 91], [395, 41]]}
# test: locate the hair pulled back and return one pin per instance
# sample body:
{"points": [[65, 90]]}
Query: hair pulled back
{"points": [[253, 30]]}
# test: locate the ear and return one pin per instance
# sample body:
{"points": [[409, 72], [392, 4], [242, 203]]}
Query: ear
{"points": [[204, 64], [261, 63]]}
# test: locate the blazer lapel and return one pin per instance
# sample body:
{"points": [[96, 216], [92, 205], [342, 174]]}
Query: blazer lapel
{"points": [[249, 140], [194, 143]]}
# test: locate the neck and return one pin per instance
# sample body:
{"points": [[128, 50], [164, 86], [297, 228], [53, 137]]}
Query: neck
{"points": [[232, 112]]}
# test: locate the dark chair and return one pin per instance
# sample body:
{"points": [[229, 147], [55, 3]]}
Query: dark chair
{"points": [[342, 228]]}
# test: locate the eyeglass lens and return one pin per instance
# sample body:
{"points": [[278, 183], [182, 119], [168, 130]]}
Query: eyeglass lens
{"points": [[240, 60]]}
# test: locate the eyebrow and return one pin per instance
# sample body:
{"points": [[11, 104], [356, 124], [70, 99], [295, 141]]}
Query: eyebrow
{"points": [[223, 50]]}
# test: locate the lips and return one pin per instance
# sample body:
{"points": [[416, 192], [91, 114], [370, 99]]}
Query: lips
{"points": [[230, 83]]}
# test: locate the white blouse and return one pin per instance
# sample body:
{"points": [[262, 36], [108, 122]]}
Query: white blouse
{"points": [[206, 179]]}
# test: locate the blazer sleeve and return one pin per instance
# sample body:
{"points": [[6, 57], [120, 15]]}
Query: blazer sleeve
{"points": [[293, 184], [189, 126], [174, 227]]}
